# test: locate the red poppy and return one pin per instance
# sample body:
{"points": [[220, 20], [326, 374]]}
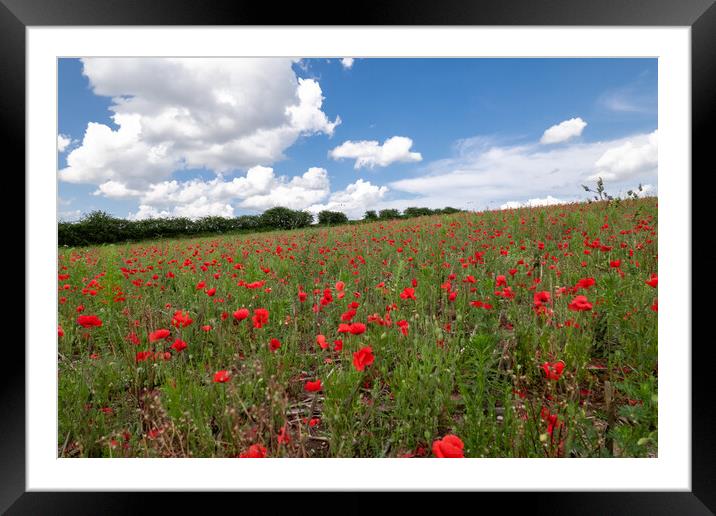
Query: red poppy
{"points": [[255, 451], [89, 321], [449, 447], [653, 281], [580, 304], [585, 283], [313, 386], [274, 344], [321, 341], [181, 319], [408, 293], [261, 316], [211, 292], [501, 281], [178, 345], [221, 376], [283, 437], [553, 371], [60, 331], [141, 356], [363, 357], [241, 314], [158, 335]]}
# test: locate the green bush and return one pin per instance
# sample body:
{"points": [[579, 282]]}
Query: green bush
{"points": [[332, 217], [389, 214]]}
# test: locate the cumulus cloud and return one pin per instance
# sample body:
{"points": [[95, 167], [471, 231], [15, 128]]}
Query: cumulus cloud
{"points": [[354, 200], [531, 203], [487, 174], [563, 131], [259, 190], [370, 154], [69, 215], [629, 159], [347, 62], [221, 114], [63, 142]]}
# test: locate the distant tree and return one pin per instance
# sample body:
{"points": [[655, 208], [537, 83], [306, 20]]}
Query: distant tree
{"points": [[332, 217], [285, 218], [370, 215], [448, 210], [389, 214], [416, 212]]}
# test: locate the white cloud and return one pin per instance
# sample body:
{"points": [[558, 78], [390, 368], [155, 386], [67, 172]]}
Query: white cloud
{"points": [[371, 154], [531, 203], [221, 114], [115, 190], [486, 174], [354, 200], [63, 142], [564, 131], [347, 62], [69, 216], [259, 190], [629, 159]]}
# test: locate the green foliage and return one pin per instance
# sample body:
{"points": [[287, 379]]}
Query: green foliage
{"points": [[370, 215], [285, 218], [389, 214], [332, 217]]}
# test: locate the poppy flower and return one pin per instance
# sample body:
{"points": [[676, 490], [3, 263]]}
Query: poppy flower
{"points": [[321, 341], [302, 296], [206, 327], [181, 319], [585, 283], [178, 345], [408, 293], [255, 451], [283, 437], [60, 331], [141, 356], [261, 316], [449, 447], [362, 358], [89, 321], [653, 281], [241, 314], [553, 371], [274, 344], [211, 292], [313, 386], [158, 335], [501, 281], [580, 304], [357, 328], [221, 376]]}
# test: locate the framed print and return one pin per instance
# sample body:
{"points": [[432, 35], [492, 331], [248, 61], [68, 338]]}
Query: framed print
{"points": [[339, 247]]}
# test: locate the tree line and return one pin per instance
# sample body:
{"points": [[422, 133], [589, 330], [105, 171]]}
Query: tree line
{"points": [[99, 227]]}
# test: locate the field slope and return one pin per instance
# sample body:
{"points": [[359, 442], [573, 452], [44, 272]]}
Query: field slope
{"points": [[522, 333]]}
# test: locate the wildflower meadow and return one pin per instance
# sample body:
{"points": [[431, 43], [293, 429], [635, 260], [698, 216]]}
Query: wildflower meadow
{"points": [[528, 332]]}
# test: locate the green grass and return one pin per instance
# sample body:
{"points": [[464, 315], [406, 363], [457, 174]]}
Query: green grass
{"points": [[480, 378]]}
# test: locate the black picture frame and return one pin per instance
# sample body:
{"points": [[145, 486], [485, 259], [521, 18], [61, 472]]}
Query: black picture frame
{"points": [[700, 15]]}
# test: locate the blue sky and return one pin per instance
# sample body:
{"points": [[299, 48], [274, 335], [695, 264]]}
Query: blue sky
{"points": [[158, 137]]}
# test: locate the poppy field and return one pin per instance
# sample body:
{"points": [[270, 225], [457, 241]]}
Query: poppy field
{"points": [[514, 333]]}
